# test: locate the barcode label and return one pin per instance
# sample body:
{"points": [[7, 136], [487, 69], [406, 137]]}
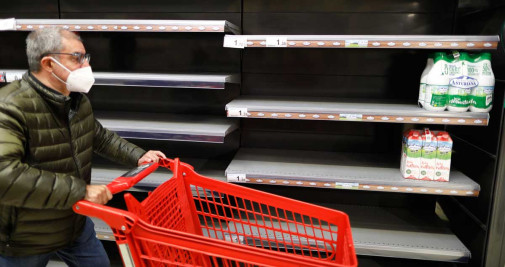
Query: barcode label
{"points": [[237, 178], [356, 43], [233, 41], [347, 185], [237, 112], [351, 117]]}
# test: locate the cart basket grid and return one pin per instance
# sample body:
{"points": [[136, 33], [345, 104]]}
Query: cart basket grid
{"points": [[192, 220]]}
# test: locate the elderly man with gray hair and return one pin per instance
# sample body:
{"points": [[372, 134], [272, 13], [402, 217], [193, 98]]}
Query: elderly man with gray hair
{"points": [[48, 135]]}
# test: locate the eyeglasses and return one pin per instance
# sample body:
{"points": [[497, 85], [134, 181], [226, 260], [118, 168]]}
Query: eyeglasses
{"points": [[79, 57]]}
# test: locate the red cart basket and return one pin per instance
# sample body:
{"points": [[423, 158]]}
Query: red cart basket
{"points": [[192, 220]]}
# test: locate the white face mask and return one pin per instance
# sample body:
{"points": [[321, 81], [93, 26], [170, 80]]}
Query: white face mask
{"points": [[79, 80]]}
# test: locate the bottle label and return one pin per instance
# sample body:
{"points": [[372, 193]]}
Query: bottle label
{"points": [[422, 92], [464, 82], [482, 97], [459, 97], [438, 95]]}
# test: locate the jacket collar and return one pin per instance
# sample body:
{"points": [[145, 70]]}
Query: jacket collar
{"points": [[46, 92], [60, 102]]}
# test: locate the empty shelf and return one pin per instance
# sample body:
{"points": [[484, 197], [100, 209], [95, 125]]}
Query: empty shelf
{"points": [[395, 232], [203, 81], [369, 172], [364, 41], [208, 129], [338, 110], [403, 233], [108, 25]]}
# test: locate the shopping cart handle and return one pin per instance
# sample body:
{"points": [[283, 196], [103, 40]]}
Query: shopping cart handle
{"points": [[131, 178]]}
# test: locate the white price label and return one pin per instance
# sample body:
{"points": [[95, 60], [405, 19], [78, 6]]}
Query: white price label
{"points": [[347, 185], [356, 43], [351, 117], [233, 41], [237, 112], [277, 41], [8, 24], [237, 178], [13, 76]]}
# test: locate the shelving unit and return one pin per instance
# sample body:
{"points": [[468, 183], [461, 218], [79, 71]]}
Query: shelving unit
{"points": [[348, 171], [338, 110], [392, 218], [195, 81], [364, 41], [395, 233], [111, 25], [204, 128]]}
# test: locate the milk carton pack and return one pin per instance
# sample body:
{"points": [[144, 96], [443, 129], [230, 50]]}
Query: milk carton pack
{"points": [[443, 159], [428, 156], [437, 84], [411, 154]]}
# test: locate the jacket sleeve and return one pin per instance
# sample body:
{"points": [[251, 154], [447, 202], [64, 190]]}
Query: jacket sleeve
{"points": [[110, 145], [22, 185]]}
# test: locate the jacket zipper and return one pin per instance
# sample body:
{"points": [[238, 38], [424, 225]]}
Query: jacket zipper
{"points": [[72, 144], [72, 148], [73, 151]]}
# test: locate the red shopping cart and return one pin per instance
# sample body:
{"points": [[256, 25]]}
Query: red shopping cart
{"points": [[192, 220]]}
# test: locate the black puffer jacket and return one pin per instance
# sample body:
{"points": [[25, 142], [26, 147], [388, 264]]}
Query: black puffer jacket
{"points": [[46, 144]]}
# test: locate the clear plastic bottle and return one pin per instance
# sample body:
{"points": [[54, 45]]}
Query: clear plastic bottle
{"points": [[481, 99], [422, 84], [437, 84]]}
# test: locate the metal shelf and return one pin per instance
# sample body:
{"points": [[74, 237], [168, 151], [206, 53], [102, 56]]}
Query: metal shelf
{"points": [[395, 232], [338, 110], [365, 41], [368, 172], [110, 25], [203, 81], [207, 129], [403, 233]]}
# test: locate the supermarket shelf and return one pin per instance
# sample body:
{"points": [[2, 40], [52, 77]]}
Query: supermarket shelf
{"points": [[403, 233], [394, 232], [349, 171], [110, 25], [365, 41], [338, 110], [208, 129], [203, 81]]}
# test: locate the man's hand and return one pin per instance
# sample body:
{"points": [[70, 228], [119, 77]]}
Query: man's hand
{"points": [[98, 194], [151, 156]]}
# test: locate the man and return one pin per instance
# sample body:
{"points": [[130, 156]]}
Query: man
{"points": [[47, 137]]}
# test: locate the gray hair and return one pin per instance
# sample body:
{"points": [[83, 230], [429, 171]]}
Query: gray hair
{"points": [[43, 41]]}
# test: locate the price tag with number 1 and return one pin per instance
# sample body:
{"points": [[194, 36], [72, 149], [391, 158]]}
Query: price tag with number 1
{"points": [[276, 41], [232, 41]]}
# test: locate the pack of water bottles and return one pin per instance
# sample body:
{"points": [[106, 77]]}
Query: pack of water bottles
{"points": [[458, 82]]}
